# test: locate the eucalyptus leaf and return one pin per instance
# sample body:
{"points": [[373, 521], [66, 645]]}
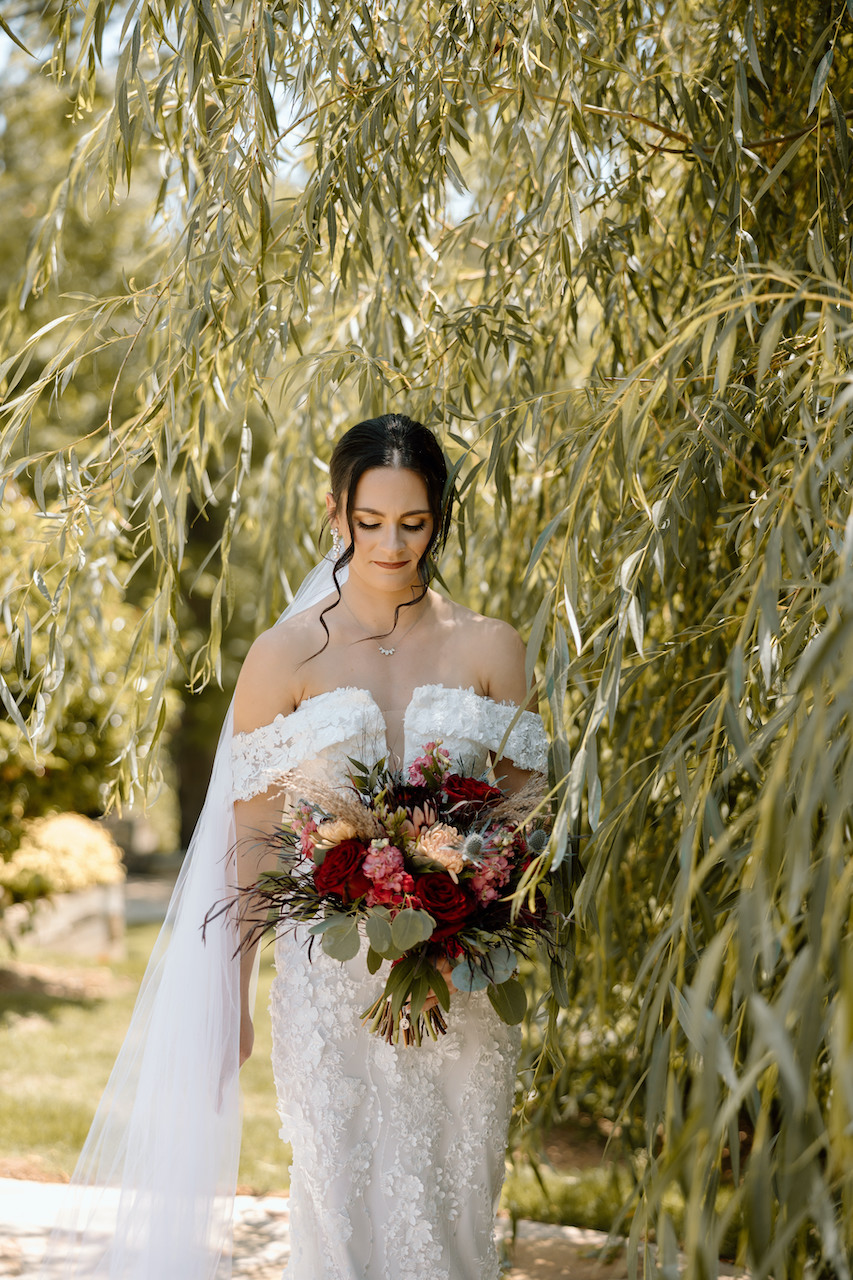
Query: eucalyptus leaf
{"points": [[509, 1000], [410, 927], [378, 931], [469, 976], [342, 941]]}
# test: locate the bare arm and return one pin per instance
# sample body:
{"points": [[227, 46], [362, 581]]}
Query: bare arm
{"points": [[504, 680], [264, 689]]}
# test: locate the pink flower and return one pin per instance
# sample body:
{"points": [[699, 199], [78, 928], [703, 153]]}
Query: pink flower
{"points": [[382, 895], [305, 828], [432, 766], [490, 877], [390, 882]]}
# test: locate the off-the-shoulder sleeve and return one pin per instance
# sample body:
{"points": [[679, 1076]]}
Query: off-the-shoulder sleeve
{"points": [[261, 758], [526, 745], [463, 716]]}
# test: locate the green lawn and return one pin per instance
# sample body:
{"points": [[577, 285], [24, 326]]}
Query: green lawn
{"points": [[56, 1054]]}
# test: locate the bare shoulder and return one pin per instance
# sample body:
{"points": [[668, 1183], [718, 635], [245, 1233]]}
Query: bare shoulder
{"points": [[495, 650], [269, 683]]}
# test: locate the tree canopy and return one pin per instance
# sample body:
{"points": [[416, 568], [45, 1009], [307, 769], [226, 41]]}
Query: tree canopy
{"points": [[604, 249]]}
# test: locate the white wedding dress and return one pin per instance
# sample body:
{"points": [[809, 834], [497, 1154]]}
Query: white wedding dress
{"points": [[398, 1153]]}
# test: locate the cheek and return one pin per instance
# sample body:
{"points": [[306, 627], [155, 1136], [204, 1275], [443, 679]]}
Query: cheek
{"points": [[423, 541]]}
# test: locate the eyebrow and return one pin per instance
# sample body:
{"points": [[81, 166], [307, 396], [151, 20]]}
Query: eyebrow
{"points": [[371, 511]]}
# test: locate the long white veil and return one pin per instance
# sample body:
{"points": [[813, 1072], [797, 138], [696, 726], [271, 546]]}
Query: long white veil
{"points": [[152, 1197]]}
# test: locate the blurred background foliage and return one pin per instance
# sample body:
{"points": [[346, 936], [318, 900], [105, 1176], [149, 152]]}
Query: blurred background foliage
{"points": [[605, 251]]}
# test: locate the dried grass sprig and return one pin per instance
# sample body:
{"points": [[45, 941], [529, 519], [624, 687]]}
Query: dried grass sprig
{"points": [[340, 802], [518, 805]]}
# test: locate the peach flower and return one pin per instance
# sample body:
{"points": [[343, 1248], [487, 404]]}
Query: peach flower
{"points": [[441, 843], [335, 830]]}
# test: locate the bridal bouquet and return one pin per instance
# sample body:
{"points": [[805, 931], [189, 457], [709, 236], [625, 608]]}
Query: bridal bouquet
{"points": [[430, 868]]}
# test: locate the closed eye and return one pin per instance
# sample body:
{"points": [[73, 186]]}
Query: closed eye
{"points": [[409, 528]]}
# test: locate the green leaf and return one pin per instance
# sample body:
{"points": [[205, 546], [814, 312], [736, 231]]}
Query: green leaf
{"points": [[537, 634], [725, 354], [541, 542], [11, 706], [770, 339], [559, 984], [439, 988], [780, 166], [840, 125], [410, 927], [378, 931], [4, 26], [329, 922], [419, 993], [342, 942], [502, 963], [509, 1000], [820, 78], [468, 976]]}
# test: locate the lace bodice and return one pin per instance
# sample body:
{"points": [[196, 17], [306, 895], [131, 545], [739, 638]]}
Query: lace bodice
{"points": [[325, 731]]}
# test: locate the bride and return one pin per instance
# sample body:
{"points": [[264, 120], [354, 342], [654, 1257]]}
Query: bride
{"points": [[398, 1153]]}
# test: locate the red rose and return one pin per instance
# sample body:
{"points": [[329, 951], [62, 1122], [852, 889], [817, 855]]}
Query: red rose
{"points": [[340, 871], [447, 902], [468, 795]]}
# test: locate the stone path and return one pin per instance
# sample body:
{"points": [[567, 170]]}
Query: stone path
{"points": [[262, 1244]]}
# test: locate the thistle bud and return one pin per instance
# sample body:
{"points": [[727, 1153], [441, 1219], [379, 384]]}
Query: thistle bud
{"points": [[537, 841], [473, 847]]}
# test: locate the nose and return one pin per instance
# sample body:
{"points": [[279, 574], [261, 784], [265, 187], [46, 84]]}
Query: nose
{"points": [[395, 540]]}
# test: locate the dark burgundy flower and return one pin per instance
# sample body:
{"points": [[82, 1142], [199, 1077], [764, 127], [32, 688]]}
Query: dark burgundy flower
{"points": [[449, 904], [340, 871], [468, 797], [406, 796]]}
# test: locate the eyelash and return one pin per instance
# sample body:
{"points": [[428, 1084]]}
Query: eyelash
{"points": [[409, 528]]}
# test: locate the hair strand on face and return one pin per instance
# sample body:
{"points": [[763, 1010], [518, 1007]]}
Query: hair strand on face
{"points": [[391, 440]]}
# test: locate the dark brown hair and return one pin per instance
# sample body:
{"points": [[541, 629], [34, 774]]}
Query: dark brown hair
{"points": [[391, 441]]}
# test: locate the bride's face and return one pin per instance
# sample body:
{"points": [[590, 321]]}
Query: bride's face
{"points": [[392, 526]]}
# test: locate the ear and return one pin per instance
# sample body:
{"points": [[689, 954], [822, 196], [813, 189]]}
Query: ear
{"points": [[331, 508]]}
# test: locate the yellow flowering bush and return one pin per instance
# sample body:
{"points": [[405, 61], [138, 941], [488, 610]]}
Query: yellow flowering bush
{"points": [[58, 854]]}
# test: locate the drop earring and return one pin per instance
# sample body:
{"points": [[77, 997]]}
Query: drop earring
{"points": [[336, 545]]}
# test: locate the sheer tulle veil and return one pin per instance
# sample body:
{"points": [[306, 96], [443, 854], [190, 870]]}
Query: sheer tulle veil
{"points": [[152, 1196]]}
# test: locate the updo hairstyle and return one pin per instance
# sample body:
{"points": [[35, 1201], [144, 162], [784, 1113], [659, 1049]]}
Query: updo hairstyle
{"points": [[391, 440]]}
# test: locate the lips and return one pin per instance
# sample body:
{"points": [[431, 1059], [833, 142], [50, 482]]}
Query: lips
{"points": [[398, 564]]}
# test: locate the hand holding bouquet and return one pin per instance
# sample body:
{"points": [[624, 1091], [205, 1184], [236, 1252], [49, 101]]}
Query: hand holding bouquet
{"points": [[429, 867]]}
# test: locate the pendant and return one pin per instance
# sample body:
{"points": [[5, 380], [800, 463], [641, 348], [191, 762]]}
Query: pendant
{"points": [[387, 652]]}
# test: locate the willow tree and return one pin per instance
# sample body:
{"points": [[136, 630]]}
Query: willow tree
{"points": [[605, 250]]}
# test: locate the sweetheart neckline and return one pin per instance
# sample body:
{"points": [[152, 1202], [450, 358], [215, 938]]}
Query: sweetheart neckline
{"points": [[357, 688]]}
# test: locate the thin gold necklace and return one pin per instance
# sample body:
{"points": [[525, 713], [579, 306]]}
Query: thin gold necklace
{"points": [[387, 653]]}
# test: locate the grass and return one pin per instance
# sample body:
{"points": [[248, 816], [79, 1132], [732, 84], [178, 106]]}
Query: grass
{"points": [[56, 1055]]}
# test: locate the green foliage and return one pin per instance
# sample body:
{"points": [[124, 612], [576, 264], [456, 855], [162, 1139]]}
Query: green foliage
{"points": [[85, 647], [606, 250]]}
